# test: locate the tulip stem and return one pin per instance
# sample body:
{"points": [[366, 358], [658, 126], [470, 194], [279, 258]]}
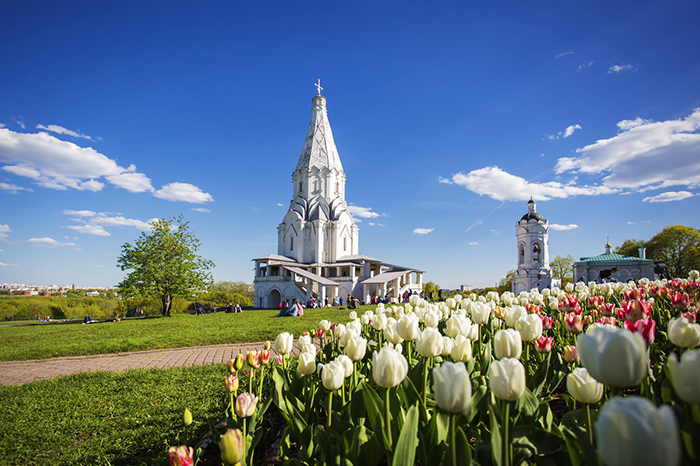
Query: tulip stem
{"points": [[330, 409], [505, 440], [588, 424], [453, 440], [245, 439], [260, 387], [425, 381], [387, 415], [478, 346]]}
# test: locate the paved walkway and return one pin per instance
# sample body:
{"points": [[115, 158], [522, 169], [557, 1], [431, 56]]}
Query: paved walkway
{"points": [[21, 372]]}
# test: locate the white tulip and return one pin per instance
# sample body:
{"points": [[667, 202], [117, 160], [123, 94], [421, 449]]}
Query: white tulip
{"points": [[347, 364], [614, 356], [686, 375], [307, 363], [389, 367], [407, 327], [333, 375], [462, 349], [584, 388], [429, 343], [284, 343], [529, 327], [683, 333], [507, 344], [512, 314], [453, 387], [507, 379]]}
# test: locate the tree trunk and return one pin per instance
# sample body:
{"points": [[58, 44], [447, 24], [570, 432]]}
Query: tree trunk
{"points": [[167, 305]]}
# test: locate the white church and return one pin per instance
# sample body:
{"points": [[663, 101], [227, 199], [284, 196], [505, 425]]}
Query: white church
{"points": [[318, 240], [532, 233]]}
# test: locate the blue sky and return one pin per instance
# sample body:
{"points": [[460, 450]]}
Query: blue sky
{"points": [[447, 116]]}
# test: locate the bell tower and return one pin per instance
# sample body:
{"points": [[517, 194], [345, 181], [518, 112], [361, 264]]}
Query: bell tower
{"points": [[532, 233]]}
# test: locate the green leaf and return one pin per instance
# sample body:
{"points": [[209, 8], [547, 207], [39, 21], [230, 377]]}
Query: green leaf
{"points": [[375, 412], [477, 404], [540, 377], [405, 453], [464, 450], [537, 441], [528, 403], [485, 365], [496, 441]]}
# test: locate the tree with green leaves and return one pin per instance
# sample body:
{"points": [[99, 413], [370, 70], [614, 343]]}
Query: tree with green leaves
{"points": [[563, 268], [630, 247], [506, 283], [431, 287], [164, 264], [230, 292], [679, 247]]}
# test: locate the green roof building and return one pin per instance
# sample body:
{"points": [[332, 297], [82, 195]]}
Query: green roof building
{"points": [[613, 266]]}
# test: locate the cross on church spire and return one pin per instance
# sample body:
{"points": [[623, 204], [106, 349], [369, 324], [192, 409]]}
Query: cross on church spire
{"points": [[318, 86]]}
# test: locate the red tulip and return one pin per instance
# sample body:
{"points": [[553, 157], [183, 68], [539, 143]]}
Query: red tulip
{"points": [[546, 322], [573, 322], [544, 344], [645, 327], [607, 321], [634, 310], [680, 301]]}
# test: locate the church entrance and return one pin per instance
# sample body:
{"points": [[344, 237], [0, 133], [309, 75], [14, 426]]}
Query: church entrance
{"points": [[273, 299]]}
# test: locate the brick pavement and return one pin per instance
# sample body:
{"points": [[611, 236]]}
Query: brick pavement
{"points": [[21, 372]]}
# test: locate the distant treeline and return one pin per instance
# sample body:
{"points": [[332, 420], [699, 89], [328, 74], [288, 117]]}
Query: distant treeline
{"points": [[59, 308]]}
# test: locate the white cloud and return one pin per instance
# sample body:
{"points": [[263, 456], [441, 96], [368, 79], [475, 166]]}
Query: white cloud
{"points": [[19, 121], [584, 65], [2, 264], [96, 230], [132, 182], [376, 224], [563, 54], [4, 230], [495, 232], [669, 196], [444, 180], [643, 155], [80, 213], [61, 130], [183, 192], [556, 226], [279, 204], [621, 68], [13, 188], [363, 212], [48, 242], [93, 223], [422, 231], [57, 164], [564, 134], [473, 243], [502, 186], [201, 209]]}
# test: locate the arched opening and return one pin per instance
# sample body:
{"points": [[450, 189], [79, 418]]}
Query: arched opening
{"points": [[273, 299], [300, 187], [536, 253], [291, 243], [345, 244], [521, 253]]}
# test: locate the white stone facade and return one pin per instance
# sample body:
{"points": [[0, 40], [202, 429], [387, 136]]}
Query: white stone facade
{"points": [[532, 232], [318, 240]]}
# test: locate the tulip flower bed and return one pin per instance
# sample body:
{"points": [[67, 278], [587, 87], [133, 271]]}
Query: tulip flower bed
{"points": [[473, 380]]}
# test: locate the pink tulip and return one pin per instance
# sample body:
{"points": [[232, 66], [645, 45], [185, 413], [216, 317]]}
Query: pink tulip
{"points": [[646, 328], [570, 303], [573, 322], [279, 359], [544, 344], [181, 456], [265, 357], [245, 404], [546, 322], [634, 310], [252, 359], [607, 309], [680, 301], [571, 354], [607, 321]]}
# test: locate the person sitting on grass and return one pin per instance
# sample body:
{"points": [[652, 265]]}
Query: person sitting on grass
{"points": [[293, 310]]}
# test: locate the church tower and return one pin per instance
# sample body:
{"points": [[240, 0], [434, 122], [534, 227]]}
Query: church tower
{"points": [[318, 228], [532, 233]]}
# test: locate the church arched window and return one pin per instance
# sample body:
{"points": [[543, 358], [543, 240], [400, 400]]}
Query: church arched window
{"points": [[345, 244], [291, 243], [521, 253], [536, 253], [300, 186], [337, 187]]}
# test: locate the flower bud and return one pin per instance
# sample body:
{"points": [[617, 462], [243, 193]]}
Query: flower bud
{"points": [[238, 363], [529, 327], [507, 344], [187, 418], [391, 334], [682, 333], [379, 322], [407, 327], [231, 383], [245, 404], [181, 456], [513, 314], [307, 363], [356, 348], [613, 356], [507, 379], [231, 365], [389, 367], [632, 431], [462, 349], [447, 345], [584, 388], [429, 343], [333, 375], [284, 343], [252, 359], [324, 325], [571, 354], [573, 323], [231, 446], [544, 344], [453, 387], [684, 376], [268, 345]]}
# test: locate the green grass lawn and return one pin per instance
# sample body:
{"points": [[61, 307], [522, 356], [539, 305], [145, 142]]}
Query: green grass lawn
{"points": [[130, 418], [46, 340]]}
